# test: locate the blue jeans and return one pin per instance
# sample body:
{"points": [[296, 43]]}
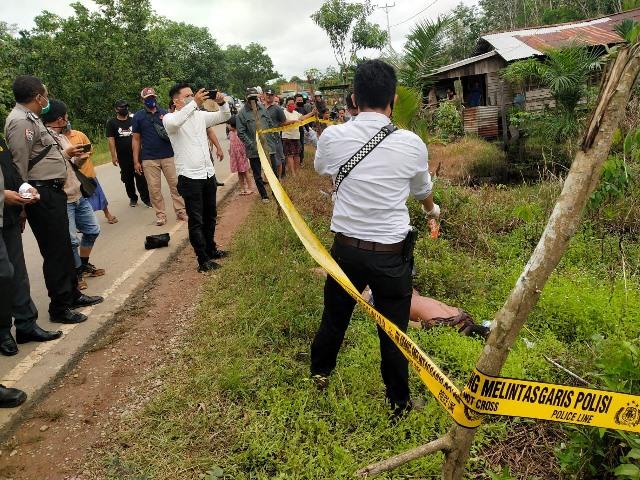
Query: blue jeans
{"points": [[83, 220]]}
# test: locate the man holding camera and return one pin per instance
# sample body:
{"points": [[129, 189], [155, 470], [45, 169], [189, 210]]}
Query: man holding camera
{"points": [[41, 161], [251, 118], [187, 129], [375, 167], [153, 155]]}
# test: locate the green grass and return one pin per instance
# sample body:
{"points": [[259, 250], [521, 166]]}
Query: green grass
{"points": [[239, 397], [101, 154]]}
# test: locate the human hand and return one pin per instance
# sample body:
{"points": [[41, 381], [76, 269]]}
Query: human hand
{"points": [[219, 154], [137, 166], [200, 97], [73, 151], [433, 213], [16, 200], [114, 160], [219, 99]]}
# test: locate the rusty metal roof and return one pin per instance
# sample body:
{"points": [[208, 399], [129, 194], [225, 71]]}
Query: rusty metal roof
{"points": [[518, 44]]}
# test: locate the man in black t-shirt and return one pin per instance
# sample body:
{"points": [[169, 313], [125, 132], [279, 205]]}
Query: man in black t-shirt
{"points": [[119, 132]]}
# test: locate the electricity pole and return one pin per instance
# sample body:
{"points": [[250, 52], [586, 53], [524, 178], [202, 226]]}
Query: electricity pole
{"points": [[386, 8]]}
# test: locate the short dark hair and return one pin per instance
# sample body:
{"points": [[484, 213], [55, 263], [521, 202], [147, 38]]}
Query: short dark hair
{"points": [[232, 121], [176, 89], [26, 88], [57, 110], [299, 95], [290, 98], [374, 84]]}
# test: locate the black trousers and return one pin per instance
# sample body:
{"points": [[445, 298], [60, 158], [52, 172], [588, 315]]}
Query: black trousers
{"points": [[50, 225], [6, 287], [200, 203], [389, 278], [131, 179], [256, 169], [23, 309]]}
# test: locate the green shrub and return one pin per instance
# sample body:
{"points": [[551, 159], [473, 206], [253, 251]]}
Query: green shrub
{"points": [[448, 121]]}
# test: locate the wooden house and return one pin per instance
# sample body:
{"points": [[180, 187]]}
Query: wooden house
{"points": [[486, 97]]}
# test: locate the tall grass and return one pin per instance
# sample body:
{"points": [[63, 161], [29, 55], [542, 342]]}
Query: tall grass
{"points": [[239, 398]]}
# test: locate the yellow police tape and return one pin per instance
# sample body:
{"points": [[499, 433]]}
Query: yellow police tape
{"points": [[482, 394], [297, 125], [546, 401]]}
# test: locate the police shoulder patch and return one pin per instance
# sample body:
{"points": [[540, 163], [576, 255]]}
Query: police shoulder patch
{"points": [[29, 134]]}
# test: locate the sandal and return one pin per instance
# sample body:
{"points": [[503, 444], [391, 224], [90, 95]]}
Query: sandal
{"points": [[113, 220]]}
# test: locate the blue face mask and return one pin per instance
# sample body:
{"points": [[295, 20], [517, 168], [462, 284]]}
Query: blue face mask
{"points": [[150, 102]]}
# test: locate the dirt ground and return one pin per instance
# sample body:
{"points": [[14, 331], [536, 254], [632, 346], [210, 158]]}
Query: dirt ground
{"points": [[115, 377]]}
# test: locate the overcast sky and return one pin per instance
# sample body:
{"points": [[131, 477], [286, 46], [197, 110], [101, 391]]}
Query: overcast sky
{"points": [[293, 41]]}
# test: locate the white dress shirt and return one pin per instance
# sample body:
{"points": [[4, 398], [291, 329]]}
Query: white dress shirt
{"points": [[371, 201], [187, 129]]}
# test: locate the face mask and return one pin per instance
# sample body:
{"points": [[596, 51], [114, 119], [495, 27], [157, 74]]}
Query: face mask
{"points": [[150, 102], [291, 108], [300, 104], [67, 127], [188, 100], [123, 111], [46, 108]]}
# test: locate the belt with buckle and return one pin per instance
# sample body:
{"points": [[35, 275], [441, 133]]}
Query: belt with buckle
{"points": [[56, 183], [369, 246]]}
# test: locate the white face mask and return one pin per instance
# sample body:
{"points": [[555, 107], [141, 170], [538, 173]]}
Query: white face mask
{"points": [[188, 100]]}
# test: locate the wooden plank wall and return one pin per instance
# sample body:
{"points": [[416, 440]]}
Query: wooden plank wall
{"points": [[538, 99]]}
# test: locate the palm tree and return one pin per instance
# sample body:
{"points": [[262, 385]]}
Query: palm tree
{"points": [[565, 72], [423, 53]]}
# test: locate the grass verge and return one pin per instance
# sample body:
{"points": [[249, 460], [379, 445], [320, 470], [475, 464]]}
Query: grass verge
{"points": [[238, 403]]}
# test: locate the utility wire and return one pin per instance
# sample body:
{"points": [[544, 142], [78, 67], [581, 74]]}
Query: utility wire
{"points": [[414, 16]]}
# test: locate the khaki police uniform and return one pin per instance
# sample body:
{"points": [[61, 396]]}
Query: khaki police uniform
{"points": [[41, 162]]}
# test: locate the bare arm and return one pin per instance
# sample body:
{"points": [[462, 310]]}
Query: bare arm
{"points": [[135, 143], [112, 149], [213, 138]]}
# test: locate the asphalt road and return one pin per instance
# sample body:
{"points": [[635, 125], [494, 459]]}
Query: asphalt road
{"points": [[120, 251]]}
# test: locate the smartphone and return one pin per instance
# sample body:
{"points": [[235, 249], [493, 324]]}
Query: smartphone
{"points": [[86, 147], [213, 93]]}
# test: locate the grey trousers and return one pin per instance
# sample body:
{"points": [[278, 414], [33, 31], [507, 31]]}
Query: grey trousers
{"points": [[18, 295]]}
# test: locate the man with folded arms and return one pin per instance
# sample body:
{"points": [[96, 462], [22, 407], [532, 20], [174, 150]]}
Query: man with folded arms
{"points": [[187, 129]]}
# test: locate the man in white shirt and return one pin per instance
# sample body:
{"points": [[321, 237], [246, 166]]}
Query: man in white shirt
{"points": [[373, 243], [187, 130]]}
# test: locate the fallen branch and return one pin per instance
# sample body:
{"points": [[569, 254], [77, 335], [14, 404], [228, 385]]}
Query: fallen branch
{"points": [[441, 444]]}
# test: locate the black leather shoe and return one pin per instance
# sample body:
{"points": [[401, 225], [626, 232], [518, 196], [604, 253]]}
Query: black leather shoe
{"points": [[8, 346], [218, 254], [86, 301], [68, 316], [11, 397], [37, 334], [219, 184], [208, 266]]}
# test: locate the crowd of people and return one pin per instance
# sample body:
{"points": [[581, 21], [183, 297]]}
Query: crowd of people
{"points": [[48, 179]]}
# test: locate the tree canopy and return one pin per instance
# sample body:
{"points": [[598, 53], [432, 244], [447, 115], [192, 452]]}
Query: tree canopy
{"points": [[93, 58]]}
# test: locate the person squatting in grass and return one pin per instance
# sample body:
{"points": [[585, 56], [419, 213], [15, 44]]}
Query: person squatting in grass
{"points": [[187, 130], [374, 241]]}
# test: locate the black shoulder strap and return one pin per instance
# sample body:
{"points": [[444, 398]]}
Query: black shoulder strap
{"points": [[366, 149], [34, 161]]}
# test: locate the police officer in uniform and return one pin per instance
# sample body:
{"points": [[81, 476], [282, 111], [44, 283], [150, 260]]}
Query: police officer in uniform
{"points": [[374, 241], [9, 397], [41, 162], [18, 297]]}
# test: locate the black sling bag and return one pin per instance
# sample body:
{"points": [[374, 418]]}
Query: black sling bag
{"points": [[360, 155]]}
